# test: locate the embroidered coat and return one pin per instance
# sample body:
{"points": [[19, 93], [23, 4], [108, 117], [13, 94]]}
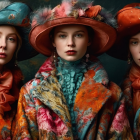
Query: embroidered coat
{"points": [[43, 113], [134, 119]]}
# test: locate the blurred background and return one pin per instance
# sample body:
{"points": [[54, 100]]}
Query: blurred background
{"points": [[115, 68]]}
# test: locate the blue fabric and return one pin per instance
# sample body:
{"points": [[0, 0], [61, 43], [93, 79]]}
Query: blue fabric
{"points": [[15, 14], [70, 76]]}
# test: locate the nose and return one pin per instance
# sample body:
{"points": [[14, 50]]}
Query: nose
{"points": [[71, 41], [3, 42]]}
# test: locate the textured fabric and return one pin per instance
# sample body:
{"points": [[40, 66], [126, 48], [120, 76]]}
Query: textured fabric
{"points": [[43, 112], [10, 83], [6, 99], [133, 117], [134, 76], [70, 75]]}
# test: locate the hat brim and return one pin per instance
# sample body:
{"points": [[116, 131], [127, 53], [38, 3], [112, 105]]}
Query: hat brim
{"points": [[121, 46], [128, 25], [103, 38]]}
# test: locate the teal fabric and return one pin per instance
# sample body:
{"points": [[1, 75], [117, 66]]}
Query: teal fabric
{"points": [[16, 14], [70, 76]]}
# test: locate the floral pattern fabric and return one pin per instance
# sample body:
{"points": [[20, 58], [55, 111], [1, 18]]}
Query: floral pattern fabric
{"points": [[134, 118], [43, 112]]}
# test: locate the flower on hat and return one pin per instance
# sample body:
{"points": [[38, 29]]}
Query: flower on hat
{"points": [[63, 10], [68, 8], [42, 14], [93, 11]]}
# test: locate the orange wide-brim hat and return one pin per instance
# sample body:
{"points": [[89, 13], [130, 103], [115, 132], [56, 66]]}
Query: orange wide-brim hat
{"points": [[44, 20], [128, 20]]}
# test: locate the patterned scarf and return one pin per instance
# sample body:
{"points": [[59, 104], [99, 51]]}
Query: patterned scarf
{"points": [[8, 90]]}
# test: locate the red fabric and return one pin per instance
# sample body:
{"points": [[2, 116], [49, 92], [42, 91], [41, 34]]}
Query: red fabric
{"points": [[134, 76], [8, 89]]}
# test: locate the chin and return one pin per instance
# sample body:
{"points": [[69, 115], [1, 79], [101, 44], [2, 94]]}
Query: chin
{"points": [[71, 59]]}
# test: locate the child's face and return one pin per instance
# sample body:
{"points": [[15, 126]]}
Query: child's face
{"points": [[134, 47], [8, 43], [71, 41]]}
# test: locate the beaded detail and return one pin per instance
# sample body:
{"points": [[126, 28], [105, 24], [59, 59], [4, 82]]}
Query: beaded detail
{"points": [[70, 75]]}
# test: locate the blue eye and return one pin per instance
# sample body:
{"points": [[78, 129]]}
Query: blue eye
{"points": [[62, 36], [134, 42], [78, 35], [11, 39]]}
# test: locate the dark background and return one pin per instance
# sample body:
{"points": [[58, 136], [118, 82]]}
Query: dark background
{"points": [[115, 68]]}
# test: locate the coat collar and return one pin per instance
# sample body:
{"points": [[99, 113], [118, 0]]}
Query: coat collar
{"points": [[90, 98]]}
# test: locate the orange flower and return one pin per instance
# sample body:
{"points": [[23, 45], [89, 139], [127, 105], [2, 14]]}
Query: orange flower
{"points": [[93, 11]]}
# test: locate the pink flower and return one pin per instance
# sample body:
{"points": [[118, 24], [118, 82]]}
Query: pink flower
{"points": [[81, 12], [63, 10], [34, 22], [120, 120], [47, 66], [50, 121], [8, 138]]}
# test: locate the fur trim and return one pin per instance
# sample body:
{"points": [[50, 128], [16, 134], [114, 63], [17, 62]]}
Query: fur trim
{"points": [[41, 16], [108, 18], [4, 3], [72, 8]]}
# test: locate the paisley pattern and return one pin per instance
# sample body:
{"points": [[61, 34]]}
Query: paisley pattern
{"points": [[43, 112]]}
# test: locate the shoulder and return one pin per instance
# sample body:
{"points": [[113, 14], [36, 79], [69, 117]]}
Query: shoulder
{"points": [[100, 73]]}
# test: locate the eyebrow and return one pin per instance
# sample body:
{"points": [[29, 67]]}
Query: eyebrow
{"points": [[133, 38], [9, 33]]}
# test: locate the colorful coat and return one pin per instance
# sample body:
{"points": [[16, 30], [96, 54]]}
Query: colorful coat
{"points": [[134, 119], [7, 120], [43, 113]]}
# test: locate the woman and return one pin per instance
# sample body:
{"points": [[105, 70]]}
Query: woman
{"points": [[14, 24], [70, 96], [127, 47]]}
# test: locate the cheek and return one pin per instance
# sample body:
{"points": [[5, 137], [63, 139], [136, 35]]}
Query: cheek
{"points": [[12, 49], [134, 51]]}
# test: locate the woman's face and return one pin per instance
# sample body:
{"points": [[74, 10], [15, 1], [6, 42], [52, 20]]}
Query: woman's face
{"points": [[134, 47], [8, 43], [71, 41]]}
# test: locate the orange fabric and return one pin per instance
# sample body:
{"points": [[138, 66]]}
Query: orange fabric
{"points": [[93, 11], [134, 76], [6, 81]]}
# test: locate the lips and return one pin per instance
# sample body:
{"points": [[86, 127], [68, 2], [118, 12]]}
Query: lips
{"points": [[2, 55], [71, 52]]}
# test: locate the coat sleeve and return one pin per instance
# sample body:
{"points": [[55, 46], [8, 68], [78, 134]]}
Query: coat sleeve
{"points": [[112, 120], [120, 126], [26, 126]]}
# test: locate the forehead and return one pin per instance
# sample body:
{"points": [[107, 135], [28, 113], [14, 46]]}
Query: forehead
{"points": [[8, 29], [70, 27], [136, 35]]}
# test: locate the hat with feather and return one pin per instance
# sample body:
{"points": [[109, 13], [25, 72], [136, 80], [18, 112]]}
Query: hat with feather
{"points": [[17, 15], [128, 19], [73, 12]]}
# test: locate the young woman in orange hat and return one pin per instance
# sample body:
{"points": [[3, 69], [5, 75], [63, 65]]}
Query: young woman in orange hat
{"points": [[127, 47], [14, 29], [71, 96]]}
